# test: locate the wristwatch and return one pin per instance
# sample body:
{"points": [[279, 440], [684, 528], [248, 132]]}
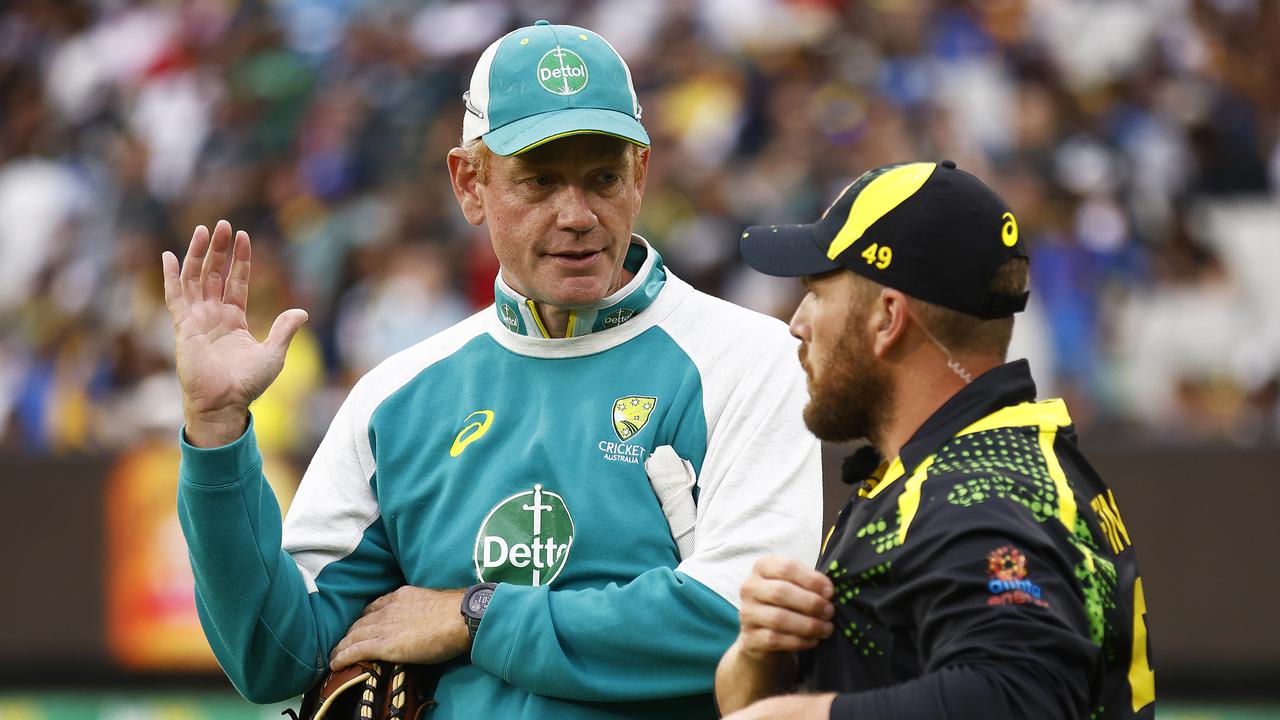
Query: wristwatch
{"points": [[474, 602]]}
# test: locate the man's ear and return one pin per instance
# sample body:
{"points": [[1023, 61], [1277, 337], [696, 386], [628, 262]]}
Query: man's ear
{"points": [[889, 317], [465, 186], [641, 177]]}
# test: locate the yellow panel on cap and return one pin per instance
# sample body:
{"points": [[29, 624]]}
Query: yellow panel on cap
{"points": [[876, 200]]}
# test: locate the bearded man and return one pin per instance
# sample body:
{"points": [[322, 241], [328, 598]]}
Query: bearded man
{"points": [[982, 570]]}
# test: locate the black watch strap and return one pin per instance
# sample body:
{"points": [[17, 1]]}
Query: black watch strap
{"points": [[474, 603]]}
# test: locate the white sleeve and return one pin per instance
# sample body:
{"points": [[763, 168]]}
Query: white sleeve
{"points": [[760, 486]]}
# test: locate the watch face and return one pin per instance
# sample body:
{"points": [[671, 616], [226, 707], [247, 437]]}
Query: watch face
{"points": [[479, 600]]}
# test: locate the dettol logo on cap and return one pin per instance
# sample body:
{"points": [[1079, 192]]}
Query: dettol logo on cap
{"points": [[562, 72], [525, 539]]}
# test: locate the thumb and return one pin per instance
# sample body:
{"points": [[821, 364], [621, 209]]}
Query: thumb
{"points": [[284, 328]]}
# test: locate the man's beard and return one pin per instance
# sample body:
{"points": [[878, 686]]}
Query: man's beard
{"points": [[849, 398]]}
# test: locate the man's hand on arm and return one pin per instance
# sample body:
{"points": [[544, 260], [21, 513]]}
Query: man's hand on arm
{"points": [[409, 625], [786, 608]]}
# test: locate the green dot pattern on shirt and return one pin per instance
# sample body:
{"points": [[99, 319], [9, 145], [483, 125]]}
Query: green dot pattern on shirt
{"points": [[1005, 464]]}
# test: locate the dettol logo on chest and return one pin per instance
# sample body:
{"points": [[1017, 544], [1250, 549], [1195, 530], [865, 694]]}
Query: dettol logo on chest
{"points": [[525, 539]]}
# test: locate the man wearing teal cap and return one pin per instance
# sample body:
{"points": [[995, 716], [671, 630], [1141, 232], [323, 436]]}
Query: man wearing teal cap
{"points": [[556, 501]]}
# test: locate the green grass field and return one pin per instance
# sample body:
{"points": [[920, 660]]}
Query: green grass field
{"points": [[71, 705]]}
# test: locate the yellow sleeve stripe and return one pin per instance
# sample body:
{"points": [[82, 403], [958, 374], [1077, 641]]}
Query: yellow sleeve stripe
{"points": [[1047, 416], [1067, 509], [1052, 413], [909, 500]]}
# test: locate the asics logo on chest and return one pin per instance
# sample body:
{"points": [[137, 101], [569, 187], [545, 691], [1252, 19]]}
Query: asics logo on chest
{"points": [[475, 426]]}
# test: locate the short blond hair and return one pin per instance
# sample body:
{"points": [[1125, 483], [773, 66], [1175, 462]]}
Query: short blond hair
{"points": [[478, 154], [969, 334]]}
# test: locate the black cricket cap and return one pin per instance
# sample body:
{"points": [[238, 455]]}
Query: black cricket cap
{"points": [[930, 230]]}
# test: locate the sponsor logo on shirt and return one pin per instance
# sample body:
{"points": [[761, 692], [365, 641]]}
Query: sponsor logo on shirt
{"points": [[630, 415], [509, 318], [1009, 584], [615, 319], [475, 426], [525, 539]]}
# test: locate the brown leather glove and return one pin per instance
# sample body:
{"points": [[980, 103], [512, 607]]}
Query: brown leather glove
{"points": [[371, 691]]}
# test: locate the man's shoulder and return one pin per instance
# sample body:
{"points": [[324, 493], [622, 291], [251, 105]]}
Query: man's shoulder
{"points": [[401, 368], [992, 473], [705, 324]]}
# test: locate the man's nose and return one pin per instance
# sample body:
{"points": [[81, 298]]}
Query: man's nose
{"points": [[799, 325], [576, 214]]}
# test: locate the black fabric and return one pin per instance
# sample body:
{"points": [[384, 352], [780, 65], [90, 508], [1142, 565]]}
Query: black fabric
{"points": [[988, 608], [943, 244]]}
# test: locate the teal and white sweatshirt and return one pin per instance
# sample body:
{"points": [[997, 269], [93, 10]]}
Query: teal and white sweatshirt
{"points": [[489, 452]]}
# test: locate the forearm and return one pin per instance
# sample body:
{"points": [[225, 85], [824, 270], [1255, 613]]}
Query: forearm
{"points": [[253, 603], [658, 636], [968, 693], [742, 680]]}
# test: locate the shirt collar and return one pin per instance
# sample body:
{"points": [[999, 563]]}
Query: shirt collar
{"points": [[1008, 384], [520, 315]]}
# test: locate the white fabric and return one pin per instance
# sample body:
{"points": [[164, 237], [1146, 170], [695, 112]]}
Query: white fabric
{"points": [[335, 503], [760, 489], [673, 478], [473, 125]]}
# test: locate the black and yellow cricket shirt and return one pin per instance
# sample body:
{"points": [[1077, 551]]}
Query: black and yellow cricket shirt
{"points": [[985, 573]]}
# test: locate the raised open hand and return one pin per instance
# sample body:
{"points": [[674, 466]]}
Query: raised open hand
{"points": [[221, 367]]}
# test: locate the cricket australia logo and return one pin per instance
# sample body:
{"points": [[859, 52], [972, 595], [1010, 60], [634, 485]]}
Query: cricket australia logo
{"points": [[631, 414], [525, 539], [562, 72]]}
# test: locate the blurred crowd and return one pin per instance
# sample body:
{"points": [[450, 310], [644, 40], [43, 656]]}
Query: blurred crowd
{"points": [[1138, 141]]}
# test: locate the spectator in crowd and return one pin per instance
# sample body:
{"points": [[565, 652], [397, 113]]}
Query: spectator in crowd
{"points": [[1122, 129]]}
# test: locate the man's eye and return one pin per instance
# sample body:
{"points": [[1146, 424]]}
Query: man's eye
{"points": [[543, 180]]}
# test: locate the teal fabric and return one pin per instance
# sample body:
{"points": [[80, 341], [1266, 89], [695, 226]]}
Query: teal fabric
{"points": [[532, 101], [510, 307], [285, 652], [616, 629], [528, 133]]}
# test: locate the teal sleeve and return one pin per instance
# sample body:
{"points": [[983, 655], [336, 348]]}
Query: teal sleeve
{"points": [[269, 633], [658, 636]]}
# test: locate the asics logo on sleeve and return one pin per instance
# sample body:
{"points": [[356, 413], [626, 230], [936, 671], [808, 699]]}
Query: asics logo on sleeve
{"points": [[472, 431]]}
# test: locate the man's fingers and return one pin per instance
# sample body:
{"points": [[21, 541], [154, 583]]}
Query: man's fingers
{"points": [[376, 605], [788, 596], [354, 653], [785, 622], [237, 290], [284, 328], [360, 631], [777, 567], [763, 640], [213, 274], [192, 263], [172, 281]]}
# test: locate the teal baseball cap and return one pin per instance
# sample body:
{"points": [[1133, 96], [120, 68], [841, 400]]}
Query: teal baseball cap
{"points": [[544, 82]]}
